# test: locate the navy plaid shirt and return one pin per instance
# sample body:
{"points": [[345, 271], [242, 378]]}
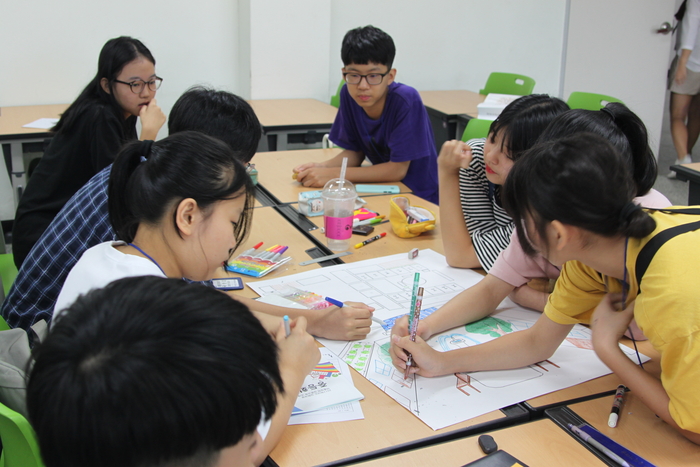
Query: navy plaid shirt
{"points": [[82, 223]]}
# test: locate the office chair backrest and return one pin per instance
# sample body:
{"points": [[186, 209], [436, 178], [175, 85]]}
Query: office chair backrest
{"points": [[19, 446], [589, 100], [508, 83]]}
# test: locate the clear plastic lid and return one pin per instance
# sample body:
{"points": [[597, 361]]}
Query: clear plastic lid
{"points": [[340, 188]]}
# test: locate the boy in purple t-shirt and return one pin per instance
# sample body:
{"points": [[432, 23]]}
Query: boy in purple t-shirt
{"points": [[379, 119]]}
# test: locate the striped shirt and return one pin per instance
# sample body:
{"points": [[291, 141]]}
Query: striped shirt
{"points": [[489, 225]]}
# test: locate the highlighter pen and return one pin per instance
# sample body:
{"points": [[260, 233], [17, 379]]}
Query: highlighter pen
{"points": [[287, 328], [617, 402], [589, 439], [372, 221], [370, 240]]}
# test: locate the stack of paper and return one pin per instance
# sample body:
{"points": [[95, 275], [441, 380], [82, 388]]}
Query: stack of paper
{"points": [[328, 394], [493, 105]]}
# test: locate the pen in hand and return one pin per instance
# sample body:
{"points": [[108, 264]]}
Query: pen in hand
{"points": [[287, 326], [340, 304]]}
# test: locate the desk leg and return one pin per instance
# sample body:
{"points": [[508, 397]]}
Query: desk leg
{"points": [[17, 173], [693, 193]]}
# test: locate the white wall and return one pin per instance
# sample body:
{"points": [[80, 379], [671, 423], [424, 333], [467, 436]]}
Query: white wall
{"points": [[289, 48], [455, 44], [627, 60], [265, 49], [49, 49]]}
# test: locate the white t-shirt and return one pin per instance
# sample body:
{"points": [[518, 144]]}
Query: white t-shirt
{"points": [[690, 39], [99, 266]]}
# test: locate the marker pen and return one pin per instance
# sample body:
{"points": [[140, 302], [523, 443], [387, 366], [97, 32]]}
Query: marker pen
{"points": [[370, 240], [251, 250], [617, 402], [287, 327]]}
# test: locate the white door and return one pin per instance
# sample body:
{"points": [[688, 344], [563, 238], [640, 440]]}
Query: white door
{"points": [[613, 48]]}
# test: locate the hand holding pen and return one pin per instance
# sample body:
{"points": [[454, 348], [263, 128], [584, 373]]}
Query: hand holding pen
{"points": [[413, 327]]}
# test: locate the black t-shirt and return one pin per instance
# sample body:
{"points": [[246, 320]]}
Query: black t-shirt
{"points": [[73, 157]]}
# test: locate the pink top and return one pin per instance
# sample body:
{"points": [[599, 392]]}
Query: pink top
{"points": [[516, 268]]}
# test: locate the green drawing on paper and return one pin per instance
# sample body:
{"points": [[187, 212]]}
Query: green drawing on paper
{"points": [[490, 326]]}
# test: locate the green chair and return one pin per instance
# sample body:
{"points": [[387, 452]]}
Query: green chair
{"points": [[8, 272], [476, 128], [19, 446], [508, 83], [335, 100], [590, 101]]}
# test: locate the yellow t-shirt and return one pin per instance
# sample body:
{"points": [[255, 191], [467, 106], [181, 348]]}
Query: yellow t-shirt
{"points": [[667, 309]]}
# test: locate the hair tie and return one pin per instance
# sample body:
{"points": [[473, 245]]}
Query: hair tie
{"points": [[609, 112], [145, 149], [627, 210]]}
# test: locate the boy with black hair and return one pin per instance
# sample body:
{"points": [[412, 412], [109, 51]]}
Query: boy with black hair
{"points": [[379, 119], [151, 371], [84, 222]]}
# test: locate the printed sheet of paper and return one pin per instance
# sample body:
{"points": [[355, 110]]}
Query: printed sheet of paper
{"points": [[42, 123], [385, 283], [328, 384]]}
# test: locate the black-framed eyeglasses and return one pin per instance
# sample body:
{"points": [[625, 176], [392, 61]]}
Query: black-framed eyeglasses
{"points": [[372, 79], [137, 85]]}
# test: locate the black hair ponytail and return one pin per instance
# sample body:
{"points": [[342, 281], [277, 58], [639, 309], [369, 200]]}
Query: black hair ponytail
{"points": [[643, 163], [622, 128], [579, 180], [148, 178]]}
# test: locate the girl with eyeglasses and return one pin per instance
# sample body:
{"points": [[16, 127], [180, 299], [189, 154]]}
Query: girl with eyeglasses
{"points": [[89, 135]]}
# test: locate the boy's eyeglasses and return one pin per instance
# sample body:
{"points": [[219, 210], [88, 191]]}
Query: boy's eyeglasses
{"points": [[137, 85], [372, 79]]}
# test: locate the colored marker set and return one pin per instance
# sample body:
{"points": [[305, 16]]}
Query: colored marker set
{"points": [[257, 262]]}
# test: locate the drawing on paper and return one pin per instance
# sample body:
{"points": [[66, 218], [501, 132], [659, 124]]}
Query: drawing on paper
{"points": [[385, 283]]}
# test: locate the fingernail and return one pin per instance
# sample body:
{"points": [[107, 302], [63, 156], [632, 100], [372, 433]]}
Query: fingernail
{"points": [[394, 338]]}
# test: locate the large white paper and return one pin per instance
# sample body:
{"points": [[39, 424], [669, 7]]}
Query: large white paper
{"points": [[386, 283], [42, 123]]}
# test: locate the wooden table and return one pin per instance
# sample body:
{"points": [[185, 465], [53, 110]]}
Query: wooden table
{"points": [[691, 174], [387, 427], [449, 112], [638, 429], [275, 174], [540, 443], [14, 135], [289, 123], [595, 388]]}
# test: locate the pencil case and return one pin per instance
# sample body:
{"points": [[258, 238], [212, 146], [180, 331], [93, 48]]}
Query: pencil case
{"points": [[409, 221]]}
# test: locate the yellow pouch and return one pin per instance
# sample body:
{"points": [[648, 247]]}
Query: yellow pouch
{"points": [[409, 221]]}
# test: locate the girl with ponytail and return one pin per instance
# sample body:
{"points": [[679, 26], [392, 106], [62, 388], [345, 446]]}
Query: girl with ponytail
{"points": [[527, 279], [571, 201], [180, 207]]}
